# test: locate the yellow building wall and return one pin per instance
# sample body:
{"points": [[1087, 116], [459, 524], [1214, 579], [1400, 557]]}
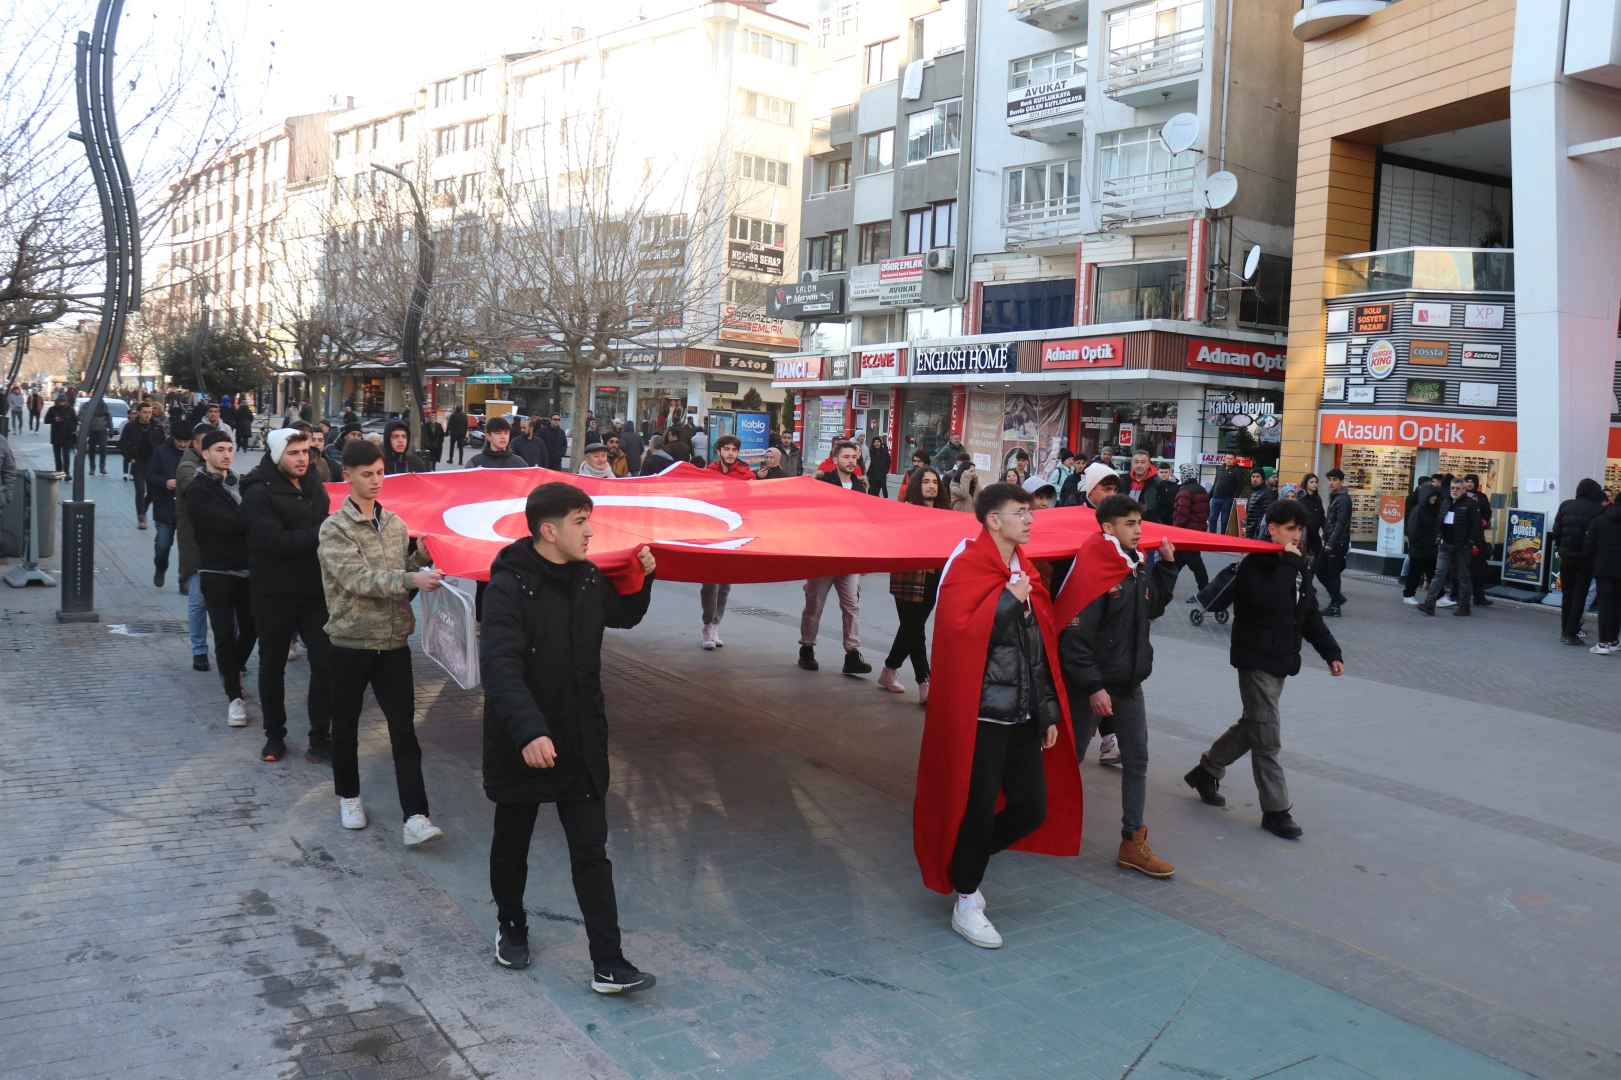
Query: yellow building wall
{"points": [[1413, 69]]}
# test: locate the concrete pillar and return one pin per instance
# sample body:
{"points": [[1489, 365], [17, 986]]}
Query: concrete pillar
{"points": [[1567, 264]]}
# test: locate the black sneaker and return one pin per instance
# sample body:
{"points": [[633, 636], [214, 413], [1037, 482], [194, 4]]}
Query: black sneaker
{"points": [[619, 977], [854, 664], [1332, 611], [1426, 607], [1279, 823], [157, 578], [1200, 780], [319, 752], [1566, 639], [275, 749], [199, 662], [807, 658], [512, 946]]}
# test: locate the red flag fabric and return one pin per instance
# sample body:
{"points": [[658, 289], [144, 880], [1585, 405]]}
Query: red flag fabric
{"points": [[1099, 566], [969, 589], [704, 527]]}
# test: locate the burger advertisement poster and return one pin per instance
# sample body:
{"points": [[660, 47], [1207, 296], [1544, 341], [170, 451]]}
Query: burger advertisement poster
{"points": [[1524, 556]]}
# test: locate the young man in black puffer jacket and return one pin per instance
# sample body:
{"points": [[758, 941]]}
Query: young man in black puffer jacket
{"points": [[1570, 527], [1274, 608], [214, 503], [1602, 550], [545, 723]]}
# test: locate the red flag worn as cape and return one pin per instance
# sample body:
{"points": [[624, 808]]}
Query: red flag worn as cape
{"points": [[969, 590]]}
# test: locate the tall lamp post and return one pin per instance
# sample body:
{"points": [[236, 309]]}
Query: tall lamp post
{"points": [[411, 340], [98, 131]]}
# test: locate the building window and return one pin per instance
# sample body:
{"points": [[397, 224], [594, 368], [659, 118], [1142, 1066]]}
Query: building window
{"points": [[760, 232], [1047, 67], [473, 187], [838, 175], [1268, 303], [751, 167], [825, 252], [746, 294], [883, 60], [763, 107], [945, 224], [935, 131], [878, 152], [874, 243], [1425, 208], [1156, 290], [475, 133], [1028, 305], [1142, 23], [919, 229], [881, 329], [444, 93], [1137, 152], [472, 85], [444, 191], [445, 141], [1052, 189], [772, 48]]}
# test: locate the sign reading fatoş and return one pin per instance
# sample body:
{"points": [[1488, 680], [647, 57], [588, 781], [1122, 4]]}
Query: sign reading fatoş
{"points": [[990, 358], [804, 298], [799, 369], [754, 256], [1236, 358], [1104, 352], [741, 324], [757, 365], [1029, 103]]}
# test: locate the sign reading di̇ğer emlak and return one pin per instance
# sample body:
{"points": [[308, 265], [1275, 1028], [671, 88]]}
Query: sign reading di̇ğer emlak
{"points": [[1236, 358]]}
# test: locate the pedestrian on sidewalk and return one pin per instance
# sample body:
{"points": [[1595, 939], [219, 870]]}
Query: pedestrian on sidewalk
{"points": [[996, 710], [915, 592], [140, 439], [1107, 656], [545, 728], [497, 452], [285, 506], [879, 464], [1192, 512], [1459, 534], [36, 404], [712, 597], [64, 425], [456, 432], [1261, 499], [1570, 525], [1423, 541], [656, 460], [962, 482], [397, 455], [1336, 541], [433, 438], [15, 403], [369, 576], [1155, 493], [1602, 550], [101, 429], [846, 460], [213, 505], [1274, 608], [1479, 562], [1223, 490]]}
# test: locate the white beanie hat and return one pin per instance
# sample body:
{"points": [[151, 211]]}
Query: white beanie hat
{"points": [[1095, 472], [278, 440]]}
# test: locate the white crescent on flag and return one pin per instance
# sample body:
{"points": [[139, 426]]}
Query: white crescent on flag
{"points": [[476, 521]]}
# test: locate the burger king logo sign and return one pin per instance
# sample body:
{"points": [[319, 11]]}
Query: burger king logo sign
{"points": [[1381, 359]]}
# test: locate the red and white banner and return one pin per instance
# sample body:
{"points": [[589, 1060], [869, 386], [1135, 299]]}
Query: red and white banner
{"points": [[705, 528]]}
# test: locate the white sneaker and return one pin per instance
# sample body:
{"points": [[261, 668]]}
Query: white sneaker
{"points": [[419, 830], [973, 925], [1602, 649], [1446, 601], [1109, 751], [709, 637], [237, 714], [352, 813], [888, 680], [714, 635], [978, 900], [1410, 600]]}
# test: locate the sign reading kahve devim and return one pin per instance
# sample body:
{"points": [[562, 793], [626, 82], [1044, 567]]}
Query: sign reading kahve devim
{"points": [[997, 358], [802, 298]]}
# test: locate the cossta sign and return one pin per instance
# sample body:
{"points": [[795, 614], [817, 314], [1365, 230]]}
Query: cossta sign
{"points": [[1104, 352], [1235, 358]]}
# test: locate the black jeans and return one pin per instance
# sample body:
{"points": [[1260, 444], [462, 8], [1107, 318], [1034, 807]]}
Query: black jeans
{"points": [[1609, 609], [1195, 559], [585, 824], [230, 613], [457, 449], [279, 618], [388, 673], [64, 457], [1007, 761], [1575, 575], [96, 449], [143, 498], [1419, 567], [1329, 567], [910, 639]]}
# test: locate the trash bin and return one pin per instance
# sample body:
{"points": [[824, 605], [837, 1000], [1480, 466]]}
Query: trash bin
{"points": [[47, 485]]}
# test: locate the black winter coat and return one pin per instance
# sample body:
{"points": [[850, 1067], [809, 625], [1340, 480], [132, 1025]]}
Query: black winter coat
{"points": [[1272, 613], [491, 458], [163, 467], [1424, 525], [860, 484], [1260, 501], [556, 440], [1313, 503], [138, 442], [284, 530], [1017, 685], [1571, 523], [456, 424], [1337, 522], [1228, 483], [1467, 528], [880, 463], [540, 655], [1106, 646], [1602, 546], [532, 448], [216, 522], [1158, 497]]}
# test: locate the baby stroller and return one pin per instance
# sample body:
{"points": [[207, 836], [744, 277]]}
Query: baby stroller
{"points": [[1216, 597]]}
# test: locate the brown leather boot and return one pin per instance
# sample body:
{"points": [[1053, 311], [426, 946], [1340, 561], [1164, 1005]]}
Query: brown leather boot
{"points": [[1135, 854]]}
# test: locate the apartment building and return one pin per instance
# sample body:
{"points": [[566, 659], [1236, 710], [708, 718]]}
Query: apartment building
{"points": [[1456, 279], [1087, 291]]}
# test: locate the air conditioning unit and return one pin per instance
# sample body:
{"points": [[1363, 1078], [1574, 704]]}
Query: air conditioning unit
{"points": [[941, 259]]}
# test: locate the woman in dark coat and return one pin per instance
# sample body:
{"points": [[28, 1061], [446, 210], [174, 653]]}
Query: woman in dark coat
{"points": [[915, 592], [878, 468], [1312, 500]]}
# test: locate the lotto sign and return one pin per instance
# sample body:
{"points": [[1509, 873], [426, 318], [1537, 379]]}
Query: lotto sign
{"points": [[1381, 359]]}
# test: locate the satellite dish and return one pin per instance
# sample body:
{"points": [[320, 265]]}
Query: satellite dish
{"points": [[1252, 261], [1180, 132], [1219, 189]]}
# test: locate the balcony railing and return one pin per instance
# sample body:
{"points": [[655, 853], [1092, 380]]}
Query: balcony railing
{"points": [[1055, 15], [1043, 220], [1426, 268], [1168, 57], [1044, 209], [1148, 195]]}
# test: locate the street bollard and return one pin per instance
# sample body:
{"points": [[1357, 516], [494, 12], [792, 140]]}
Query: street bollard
{"points": [[78, 562]]}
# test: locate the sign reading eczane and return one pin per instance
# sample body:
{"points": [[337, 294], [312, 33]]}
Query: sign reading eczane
{"points": [[995, 358], [1236, 358]]}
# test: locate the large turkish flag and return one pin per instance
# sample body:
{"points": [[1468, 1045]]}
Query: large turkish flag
{"points": [[703, 527]]}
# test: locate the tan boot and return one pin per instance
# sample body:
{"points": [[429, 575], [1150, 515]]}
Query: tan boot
{"points": [[1135, 854]]}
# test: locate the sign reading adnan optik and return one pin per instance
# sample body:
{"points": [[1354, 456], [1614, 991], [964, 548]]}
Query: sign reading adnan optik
{"points": [[1103, 352], [1236, 358]]}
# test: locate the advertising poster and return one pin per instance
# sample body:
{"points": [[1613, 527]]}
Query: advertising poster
{"points": [[982, 433], [752, 431], [1052, 430], [1371, 473], [1527, 546], [448, 633], [1019, 430]]}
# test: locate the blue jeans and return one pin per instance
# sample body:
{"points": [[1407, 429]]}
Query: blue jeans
{"points": [[162, 541], [1220, 511], [196, 615]]}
